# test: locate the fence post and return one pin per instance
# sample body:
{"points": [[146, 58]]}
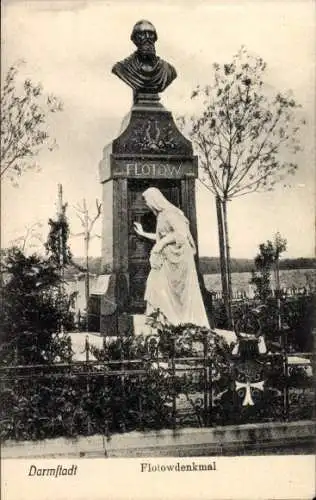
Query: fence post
{"points": [[173, 379], [286, 387], [87, 349], [123, 378], [286, 376], [140, 411], [16, 352], [206, 383], [210, 382], [106, 384]]}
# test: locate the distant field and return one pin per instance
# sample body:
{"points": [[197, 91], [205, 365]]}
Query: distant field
{"points": [[298, 278]]}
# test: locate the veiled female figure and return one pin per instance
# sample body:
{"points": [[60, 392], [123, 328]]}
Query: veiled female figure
{"points": [[172, 285]]}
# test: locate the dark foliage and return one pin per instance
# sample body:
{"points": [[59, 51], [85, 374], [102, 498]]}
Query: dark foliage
{"points": [[266, 261], [73, 404], [300, 319], [142, 383], [57, 242], [297, 319], [33, 306]]}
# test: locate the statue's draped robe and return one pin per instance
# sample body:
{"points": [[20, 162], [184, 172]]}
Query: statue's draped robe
{"points": [[174, 287], [154, 80]]}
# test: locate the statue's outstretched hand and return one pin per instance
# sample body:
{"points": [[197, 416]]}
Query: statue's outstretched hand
{"points": [[138, 229]]}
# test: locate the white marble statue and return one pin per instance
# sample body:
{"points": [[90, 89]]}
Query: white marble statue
{"points": [[172, 285]]}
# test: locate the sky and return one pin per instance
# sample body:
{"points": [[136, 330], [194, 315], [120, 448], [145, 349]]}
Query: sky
{"points": [[71, 46]]}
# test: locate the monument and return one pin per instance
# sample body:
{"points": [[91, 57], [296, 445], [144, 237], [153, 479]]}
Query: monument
{"points": [[145, 72], [149, 152]]}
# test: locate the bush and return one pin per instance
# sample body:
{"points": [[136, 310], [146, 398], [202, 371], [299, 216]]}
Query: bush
{"points": [[297, 319], [139, 383], [34, 306], [71, 404]]}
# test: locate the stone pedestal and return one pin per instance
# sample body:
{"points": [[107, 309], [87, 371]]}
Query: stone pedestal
{"points": [[150, 152]]}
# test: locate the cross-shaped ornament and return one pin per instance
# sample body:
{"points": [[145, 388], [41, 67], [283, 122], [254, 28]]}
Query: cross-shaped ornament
{"points": [[248, 401]]}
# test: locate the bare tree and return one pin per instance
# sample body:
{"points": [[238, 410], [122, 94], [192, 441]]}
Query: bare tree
{"points": [[87, 223], [30, 239], [245, 138], [24, 123]]}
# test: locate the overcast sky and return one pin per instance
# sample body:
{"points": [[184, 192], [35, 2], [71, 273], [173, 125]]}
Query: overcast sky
{"points": [[71, 46]]}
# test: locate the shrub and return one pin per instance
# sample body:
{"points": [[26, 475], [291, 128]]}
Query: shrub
{"points": [[34, 306]]}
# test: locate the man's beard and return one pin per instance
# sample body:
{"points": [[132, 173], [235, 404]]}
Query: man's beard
{"points": [[147, 51]]}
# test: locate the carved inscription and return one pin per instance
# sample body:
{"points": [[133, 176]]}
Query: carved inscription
{"points": [[152, 169]]}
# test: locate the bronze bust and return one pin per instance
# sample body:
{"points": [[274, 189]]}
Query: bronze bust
{"points": [[143, 70]]}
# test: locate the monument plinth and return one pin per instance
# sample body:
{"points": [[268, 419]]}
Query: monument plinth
{"points": [[150, 152]]}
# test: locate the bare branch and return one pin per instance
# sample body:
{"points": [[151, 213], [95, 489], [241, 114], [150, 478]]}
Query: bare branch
{"points": [[255, 190], [77, 234], [210, 188], [81, 219], [211, 172], [257, 155], [99, 206], [255, 182]]}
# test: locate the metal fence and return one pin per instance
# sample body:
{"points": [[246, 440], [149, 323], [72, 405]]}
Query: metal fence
{"points": [[139, 386]]}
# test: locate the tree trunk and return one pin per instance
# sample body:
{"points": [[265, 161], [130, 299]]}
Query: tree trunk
{"points": [[87, 281], [87, 275], [228, 264], [61, 255], [222, 253], [278, 292]]}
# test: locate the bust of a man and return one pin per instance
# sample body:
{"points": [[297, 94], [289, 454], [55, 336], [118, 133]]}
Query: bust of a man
{"points": [[143, 70]]}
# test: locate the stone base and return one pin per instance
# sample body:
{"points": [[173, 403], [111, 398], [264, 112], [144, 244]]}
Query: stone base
{"points": [[125, 324], [248, 439]]}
